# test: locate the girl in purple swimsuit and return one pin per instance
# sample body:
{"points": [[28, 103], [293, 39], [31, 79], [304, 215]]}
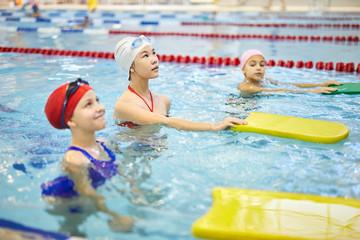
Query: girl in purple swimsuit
{"points": [[138, 105], [75, 105]]}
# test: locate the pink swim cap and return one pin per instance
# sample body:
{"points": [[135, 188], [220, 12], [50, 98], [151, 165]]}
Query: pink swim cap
{"points": [[248, 54]]}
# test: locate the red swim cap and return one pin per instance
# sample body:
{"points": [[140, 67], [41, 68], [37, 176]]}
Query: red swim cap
{"points": [[54, 105]]}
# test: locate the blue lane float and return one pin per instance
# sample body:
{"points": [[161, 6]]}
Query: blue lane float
{"points": [[26, 29], [6, 14], [149, 23], [29, 232], [12, 19], [72, 30], [47, 20]]}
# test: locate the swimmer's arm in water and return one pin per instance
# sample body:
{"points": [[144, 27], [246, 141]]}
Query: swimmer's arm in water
{"points": [[272, 81], [306, 85], [75, 165], [132, 112], [248, 89], [140, 199], [197, 126], [325, 84]]}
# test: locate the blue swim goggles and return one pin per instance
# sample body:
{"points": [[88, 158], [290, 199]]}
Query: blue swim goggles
{"points": [[138, 41], [72, 87]]}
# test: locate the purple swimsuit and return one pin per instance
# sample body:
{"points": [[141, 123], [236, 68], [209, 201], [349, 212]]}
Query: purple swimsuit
{"points": [[100, 171]]}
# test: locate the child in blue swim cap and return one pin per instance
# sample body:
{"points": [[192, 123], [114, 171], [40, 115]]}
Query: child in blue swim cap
{"points": [[252, 64], [88, 162]]}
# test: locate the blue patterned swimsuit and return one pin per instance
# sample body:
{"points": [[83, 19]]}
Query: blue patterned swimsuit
{"points": [[63, 186]]}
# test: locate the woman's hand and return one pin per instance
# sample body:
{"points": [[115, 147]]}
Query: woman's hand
{"points": [[324, 90], [331, 82], [121, 224], [229, 122]]}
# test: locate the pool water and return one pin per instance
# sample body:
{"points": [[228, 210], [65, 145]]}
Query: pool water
{"points": [[174, 170]]}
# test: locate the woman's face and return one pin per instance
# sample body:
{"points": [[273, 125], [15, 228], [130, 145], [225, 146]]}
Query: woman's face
{"points": [[146, 63], [254, 68]]}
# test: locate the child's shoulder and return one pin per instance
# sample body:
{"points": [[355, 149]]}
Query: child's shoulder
{"points": [[246, 85], [75, 157], [248, 88]]}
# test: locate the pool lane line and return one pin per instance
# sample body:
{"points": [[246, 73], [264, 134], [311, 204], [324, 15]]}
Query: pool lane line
{"points": [[209, 61], [277, 25], [301, 38], [180, 22], [56, 30], [180, 15], [54, 52], [245, 36], [135, 14], [97, 21], [293, 16]]}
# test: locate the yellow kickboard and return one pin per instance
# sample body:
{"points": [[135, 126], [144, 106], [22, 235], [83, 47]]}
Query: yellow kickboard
{"points": [[304, 129], [252, 214]]}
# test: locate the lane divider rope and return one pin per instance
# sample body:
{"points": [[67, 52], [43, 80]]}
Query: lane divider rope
{"points": [[60, 13], [237, 36], [217, 61], [335, 39], [184, 23], [276, 25]]}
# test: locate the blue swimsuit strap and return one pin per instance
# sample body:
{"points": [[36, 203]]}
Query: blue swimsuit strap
{"points": [[109, 152], [93, 160]]}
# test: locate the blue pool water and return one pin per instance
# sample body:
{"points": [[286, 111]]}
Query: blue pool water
{"points": [[175, 170]]}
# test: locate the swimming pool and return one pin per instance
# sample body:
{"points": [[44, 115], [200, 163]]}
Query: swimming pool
{"points": [[175, 170]]}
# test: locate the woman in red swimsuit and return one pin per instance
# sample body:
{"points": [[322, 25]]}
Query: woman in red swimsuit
{"points": [[138, 105]]}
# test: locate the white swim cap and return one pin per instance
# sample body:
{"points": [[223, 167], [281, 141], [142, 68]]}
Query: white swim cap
{"points": [[127, 49]]}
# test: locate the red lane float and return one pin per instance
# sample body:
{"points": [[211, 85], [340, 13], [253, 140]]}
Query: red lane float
{"points": [[309, 64], [58, 52], [243, 36], [300, 64], [319, 65], [219, 61], [274, 25], [329, 66]]}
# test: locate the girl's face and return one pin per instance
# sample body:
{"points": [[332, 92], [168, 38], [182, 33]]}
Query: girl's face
{"points": [[146, 63], [254, 68], [89, 114]]}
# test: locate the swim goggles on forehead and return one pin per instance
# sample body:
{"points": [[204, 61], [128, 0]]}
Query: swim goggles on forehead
{"points": [[72, 87], [138, 41]]}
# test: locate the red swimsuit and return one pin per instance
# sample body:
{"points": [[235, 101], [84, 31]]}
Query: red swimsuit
{"points": [[152, 103], [133, 125]]}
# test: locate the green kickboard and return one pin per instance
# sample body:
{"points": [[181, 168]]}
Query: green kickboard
{"points": [[347, 88]]}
